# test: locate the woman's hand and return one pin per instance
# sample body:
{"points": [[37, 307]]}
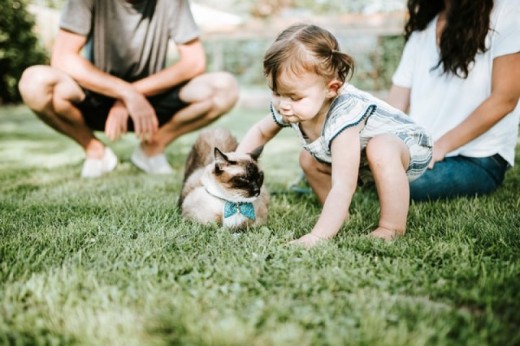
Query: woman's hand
{"points": [[439, 152]]}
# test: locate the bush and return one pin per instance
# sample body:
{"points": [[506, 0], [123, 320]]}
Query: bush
{"points": [[19, 47], [386, 59]]}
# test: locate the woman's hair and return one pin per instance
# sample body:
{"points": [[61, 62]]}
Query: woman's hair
{"points": [[467, 25], [306, 48]]}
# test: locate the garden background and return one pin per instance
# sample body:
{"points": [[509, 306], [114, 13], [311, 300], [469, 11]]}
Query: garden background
{"points": [[110, 262]]}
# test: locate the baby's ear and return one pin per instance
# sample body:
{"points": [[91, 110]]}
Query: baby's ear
{"points": [[255, 154], [334, 87]]}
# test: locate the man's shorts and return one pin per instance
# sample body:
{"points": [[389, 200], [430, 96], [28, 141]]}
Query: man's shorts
{"points": [[95, 107]]}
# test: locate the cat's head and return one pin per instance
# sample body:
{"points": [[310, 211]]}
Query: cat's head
{"points": [[238, 175]]}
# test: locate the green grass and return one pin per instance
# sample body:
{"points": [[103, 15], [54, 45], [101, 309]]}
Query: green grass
{"points": [[110, 262]]}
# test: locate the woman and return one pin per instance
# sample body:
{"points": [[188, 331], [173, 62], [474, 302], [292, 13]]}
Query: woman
{"points": [[459, 77]]}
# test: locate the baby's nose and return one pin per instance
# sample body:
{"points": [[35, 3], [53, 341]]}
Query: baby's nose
{"points": [[285, 103]]}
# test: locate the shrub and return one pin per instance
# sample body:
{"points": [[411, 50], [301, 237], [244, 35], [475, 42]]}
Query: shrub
{"points": [[19, 47]]}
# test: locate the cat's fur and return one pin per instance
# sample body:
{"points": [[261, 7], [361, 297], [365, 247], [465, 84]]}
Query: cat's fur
{"points": [[214, 174]]}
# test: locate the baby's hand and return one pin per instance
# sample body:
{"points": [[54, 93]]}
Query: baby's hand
{"points": [[309, 240]]}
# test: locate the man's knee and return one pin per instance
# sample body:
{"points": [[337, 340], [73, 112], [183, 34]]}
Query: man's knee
{"points": [[225, 82], [35, 86], [225, 89], [34, 78]]}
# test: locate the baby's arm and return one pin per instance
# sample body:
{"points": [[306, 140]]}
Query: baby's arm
{"points": [[345, 166], [259, 134]]}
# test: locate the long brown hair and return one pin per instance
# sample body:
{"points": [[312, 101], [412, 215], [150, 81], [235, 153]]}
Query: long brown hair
{"points": [[306, 48], [467, 25]]}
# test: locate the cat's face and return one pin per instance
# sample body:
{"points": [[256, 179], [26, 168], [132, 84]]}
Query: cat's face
{"points": [[239, 174]]}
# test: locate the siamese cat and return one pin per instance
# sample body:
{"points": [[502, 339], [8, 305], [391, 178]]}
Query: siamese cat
{"points": [[221, 186]]}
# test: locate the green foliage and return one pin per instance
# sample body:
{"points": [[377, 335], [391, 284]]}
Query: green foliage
{"points": [[266, 8], [19, 47], [109, 261], [375, 64], [58, 4], [385, 59], [241, 57], [334, 6]]}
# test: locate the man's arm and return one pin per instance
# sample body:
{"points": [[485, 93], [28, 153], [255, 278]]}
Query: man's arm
{"points": [[67, 57], [191, 63]]}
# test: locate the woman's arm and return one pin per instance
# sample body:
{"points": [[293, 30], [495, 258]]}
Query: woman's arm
{"points": [[259, 134], [399, 97], [505, 92]]}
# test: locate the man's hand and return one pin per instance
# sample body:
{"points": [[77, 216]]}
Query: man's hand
{"points": [[142, 114], [117, 119]]}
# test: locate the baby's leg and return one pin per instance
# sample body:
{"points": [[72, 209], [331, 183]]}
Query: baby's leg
{"points": [[388, 157], [318, 175]]}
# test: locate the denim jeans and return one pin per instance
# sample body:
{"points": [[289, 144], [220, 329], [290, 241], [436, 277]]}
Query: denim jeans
{"points": [[459, 176]]}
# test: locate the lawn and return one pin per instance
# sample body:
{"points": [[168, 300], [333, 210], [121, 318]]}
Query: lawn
{"points": [[109, 261]]}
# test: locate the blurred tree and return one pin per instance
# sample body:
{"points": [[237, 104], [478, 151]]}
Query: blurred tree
{"points": [[49, 3], [268, 8], [19, 47]]}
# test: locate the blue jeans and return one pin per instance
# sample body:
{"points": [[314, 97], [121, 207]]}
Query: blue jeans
{"points": [[459, 176]]}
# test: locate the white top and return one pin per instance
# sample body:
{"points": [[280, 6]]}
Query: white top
{"points": [[439, 102]]}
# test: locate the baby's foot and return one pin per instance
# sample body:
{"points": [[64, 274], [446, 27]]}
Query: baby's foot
{"points": [[385, 234]]}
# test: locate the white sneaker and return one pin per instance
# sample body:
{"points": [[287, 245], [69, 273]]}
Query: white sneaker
{"points": [[156, 164], [93, 168]]}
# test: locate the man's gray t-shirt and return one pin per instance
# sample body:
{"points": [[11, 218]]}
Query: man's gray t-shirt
{"points": [[129, 39]]}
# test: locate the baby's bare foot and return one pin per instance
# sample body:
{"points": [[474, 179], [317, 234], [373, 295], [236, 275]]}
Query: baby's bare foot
{"points": [[385, 234]]}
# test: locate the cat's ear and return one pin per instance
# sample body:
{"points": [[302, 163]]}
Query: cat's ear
{"points": [[220, 159], [255, 154]]}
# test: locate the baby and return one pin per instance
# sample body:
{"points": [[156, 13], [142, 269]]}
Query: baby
{"points": [[341, 128]]}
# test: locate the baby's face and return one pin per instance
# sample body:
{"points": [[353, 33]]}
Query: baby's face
{"points": [[302, 97]]}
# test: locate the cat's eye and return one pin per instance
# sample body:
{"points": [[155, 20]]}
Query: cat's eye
{"points": [[243, 180], [240, 180]]}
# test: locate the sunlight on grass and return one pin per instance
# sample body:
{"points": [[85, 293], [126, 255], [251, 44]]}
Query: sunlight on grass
{"points": [[39, 155]]}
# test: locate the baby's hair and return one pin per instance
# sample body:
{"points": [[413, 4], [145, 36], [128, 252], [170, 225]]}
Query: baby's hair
{"points": [[307, 48]]}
